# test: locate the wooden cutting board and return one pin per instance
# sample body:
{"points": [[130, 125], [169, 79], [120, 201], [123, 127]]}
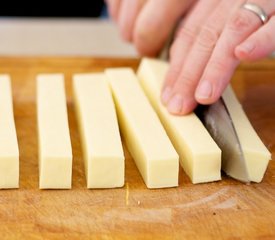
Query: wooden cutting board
{"points": [[221, 210]]}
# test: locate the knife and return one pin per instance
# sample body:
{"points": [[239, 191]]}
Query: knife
{"points": [[216, 118], [218, 122]]}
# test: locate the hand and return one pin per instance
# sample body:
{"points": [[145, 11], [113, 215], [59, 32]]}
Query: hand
{"points": [[212, 40], [147, 23]]}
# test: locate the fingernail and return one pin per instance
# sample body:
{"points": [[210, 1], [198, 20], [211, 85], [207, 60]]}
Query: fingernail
{"points": [[246, 47], [175, 104], [204, 90], [166, 94]]}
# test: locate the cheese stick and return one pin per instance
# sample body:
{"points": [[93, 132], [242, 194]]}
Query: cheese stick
{"points": [[255, 153], [9, 153], [55, 151], [145, 137], [100, 138], [200, 156]]}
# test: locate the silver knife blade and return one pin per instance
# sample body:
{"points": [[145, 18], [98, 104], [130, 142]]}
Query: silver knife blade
{"points": [[219, 124]]}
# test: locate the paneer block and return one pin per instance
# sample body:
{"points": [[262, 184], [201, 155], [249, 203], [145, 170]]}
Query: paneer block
{"points": [[200, 156], [100, 138], [55, 151], [143, 132], [9, 152]]}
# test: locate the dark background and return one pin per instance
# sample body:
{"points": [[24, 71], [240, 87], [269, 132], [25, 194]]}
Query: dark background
{"points": [[79, 8]]}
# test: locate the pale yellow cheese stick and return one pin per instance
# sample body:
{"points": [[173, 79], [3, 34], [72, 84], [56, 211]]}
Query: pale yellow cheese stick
{"points": [[145, 137], [9, 152], [55, 151], [100, 139], [200, 156]]}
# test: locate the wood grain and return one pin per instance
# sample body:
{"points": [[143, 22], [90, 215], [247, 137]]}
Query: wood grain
{"points": [[221, 210]]}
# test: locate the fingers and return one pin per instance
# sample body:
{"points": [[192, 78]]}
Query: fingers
{"points": [[155, 22], [113, 8], [201, 50], [223, 62], [129, 11], [147, 23], [260, 44], [185, 38]]}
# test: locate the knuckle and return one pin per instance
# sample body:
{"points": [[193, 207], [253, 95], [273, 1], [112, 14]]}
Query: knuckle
{"points": [[174, 72], [239, 22], [208, 38], [217, 65], [184, 37], [186, 33], [186, 81]]}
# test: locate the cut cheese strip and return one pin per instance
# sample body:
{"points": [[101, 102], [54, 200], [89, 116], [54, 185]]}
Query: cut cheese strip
{"points": [[255, 153], [200, 156], [145, 137], [101, 143], [55, 151], [9, 153]]}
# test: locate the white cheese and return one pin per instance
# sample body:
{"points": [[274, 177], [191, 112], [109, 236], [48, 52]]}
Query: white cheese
{"points": [[100, 138], [9, 153], [145, 137], [55, 151], [200, 156]]}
